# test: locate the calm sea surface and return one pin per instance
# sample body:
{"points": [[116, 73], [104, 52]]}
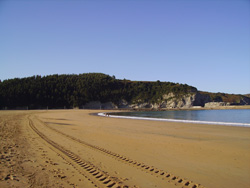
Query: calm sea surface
{"points": [[241, 116]]}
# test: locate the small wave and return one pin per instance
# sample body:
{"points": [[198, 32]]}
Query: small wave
{"points": [[177, 120]]}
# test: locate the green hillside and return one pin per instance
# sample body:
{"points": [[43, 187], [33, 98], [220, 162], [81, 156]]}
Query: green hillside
{"points": [[69, 91]]}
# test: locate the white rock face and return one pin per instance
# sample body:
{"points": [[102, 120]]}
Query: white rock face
{"points": [[140, 105], [216, 104], [169, 100], [172, 101], [123, 104]]}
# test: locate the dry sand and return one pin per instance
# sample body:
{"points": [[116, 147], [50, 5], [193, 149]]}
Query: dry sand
{"points": [[70, 148]]}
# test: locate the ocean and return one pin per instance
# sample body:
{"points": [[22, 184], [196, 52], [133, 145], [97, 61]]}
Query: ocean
{"points": [[233, 117]]}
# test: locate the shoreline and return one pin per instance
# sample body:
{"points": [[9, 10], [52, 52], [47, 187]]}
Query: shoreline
{"points": [[55, 145], [143, 109], [238, 107], [175, 120]]}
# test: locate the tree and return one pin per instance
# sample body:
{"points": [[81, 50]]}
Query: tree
{"points": [[73, 90]]}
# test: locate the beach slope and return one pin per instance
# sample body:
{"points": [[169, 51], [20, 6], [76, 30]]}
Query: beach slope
{"points": [[72, 148]]}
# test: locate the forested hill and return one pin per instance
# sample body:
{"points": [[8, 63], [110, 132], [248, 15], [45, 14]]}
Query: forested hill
{"points": [[69, 91]]}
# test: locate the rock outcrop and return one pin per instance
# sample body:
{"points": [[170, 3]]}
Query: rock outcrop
{"points": [[216, 104], [244, 100], [201, 99], [172, 101], [169, 100]]}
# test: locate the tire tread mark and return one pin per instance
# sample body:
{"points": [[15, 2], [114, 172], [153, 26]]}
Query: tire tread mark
{"points": [[110, 182], [152, 170]]}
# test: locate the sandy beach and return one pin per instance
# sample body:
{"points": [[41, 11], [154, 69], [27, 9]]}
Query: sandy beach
{"points": [[71, 148]]}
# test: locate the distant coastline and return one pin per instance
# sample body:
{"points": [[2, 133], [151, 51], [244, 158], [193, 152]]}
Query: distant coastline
{"points": [[101, 91], [233, 117], [229, 107], [191, 108]]}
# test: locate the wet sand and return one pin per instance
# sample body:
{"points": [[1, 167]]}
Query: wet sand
{"points": [[70, 148]]}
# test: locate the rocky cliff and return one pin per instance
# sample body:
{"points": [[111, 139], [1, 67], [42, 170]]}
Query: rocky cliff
{"points": [[100, 91], [171, 100]]}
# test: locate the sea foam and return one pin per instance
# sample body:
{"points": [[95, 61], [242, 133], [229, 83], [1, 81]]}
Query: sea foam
{"points": [[177, 120]]}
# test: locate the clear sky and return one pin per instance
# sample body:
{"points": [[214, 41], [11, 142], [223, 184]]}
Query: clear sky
{"points": [[203, 43]]}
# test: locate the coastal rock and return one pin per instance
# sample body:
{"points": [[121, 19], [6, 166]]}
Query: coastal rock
{"points": [[140, 105], [172, 101], [244, 101], [123, 104], [168, 100], [216, 104], [201, 99]]}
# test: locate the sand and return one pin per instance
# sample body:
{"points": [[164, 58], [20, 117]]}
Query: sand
{"points": [[71, 148]]}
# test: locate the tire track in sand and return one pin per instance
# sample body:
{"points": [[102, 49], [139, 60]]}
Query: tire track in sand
{"points": [[92, 173], [178, 181]]}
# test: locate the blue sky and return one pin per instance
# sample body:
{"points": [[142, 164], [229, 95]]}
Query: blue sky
{"points": [[205, 44]]}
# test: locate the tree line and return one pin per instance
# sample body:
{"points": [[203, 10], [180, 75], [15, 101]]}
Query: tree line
{"points": [[69, 91]]}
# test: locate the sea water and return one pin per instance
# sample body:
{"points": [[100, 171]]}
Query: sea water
{"points": [[233, 117]]}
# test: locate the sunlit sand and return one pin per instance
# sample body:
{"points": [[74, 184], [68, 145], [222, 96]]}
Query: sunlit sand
{"points": [[73, 148]]}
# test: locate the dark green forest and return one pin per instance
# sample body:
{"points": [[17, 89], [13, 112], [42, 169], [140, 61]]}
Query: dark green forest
{"points": [[71, 91]]}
